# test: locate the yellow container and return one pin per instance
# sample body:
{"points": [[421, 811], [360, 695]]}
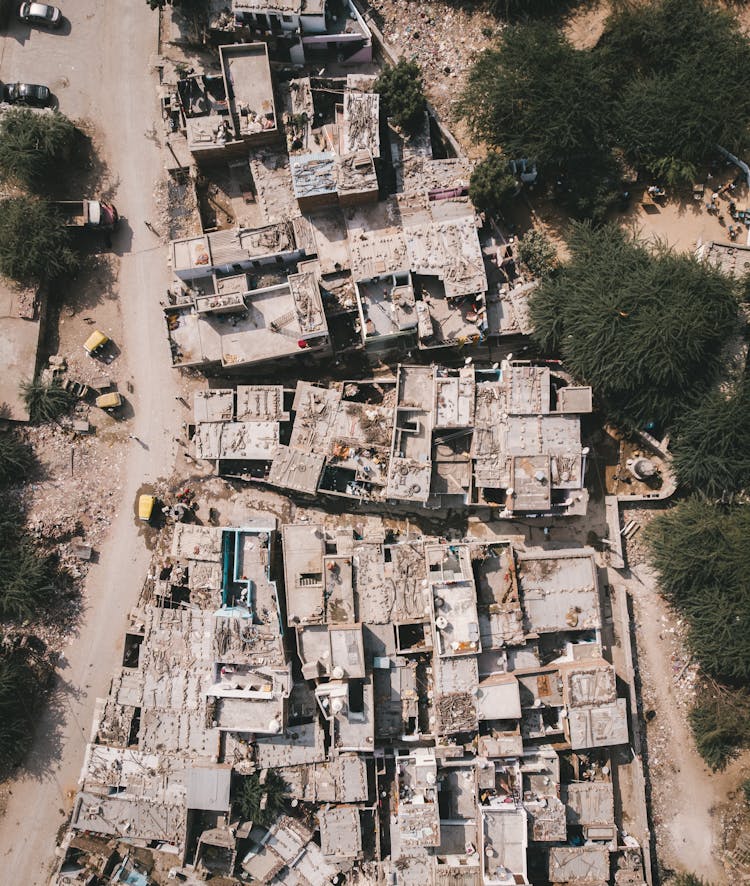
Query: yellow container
{"points": [[95, 342], [146, 507]]}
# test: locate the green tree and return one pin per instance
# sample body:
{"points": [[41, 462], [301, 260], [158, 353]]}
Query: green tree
{"points": [[16, 458], [684, 66], [492, 185], [711, 443], [537, 252], [402, 94], [21, 690], [261, 801], [720, 726], [644, 326], [26, 582], [46, 401], [666, 82], [34, 242], [536, 96], [34, 148], [702, 558], [26, 573], [512, 9]]}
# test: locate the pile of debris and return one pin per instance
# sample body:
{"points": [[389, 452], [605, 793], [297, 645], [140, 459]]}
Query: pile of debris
{"points": [[442, 39]]}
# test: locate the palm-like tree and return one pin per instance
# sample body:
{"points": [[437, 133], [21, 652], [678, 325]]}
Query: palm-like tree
{"points": [[46, 401]]}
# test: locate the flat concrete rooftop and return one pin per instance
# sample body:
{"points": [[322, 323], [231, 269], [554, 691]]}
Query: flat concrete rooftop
{"points": [[247, 73]]}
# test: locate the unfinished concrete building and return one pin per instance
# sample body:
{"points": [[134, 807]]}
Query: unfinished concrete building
{"points": [[224, 115], [433, 438], [296, 31], [391, 271], [403, 689]]}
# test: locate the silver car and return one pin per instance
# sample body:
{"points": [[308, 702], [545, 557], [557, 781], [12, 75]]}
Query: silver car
{"points": [[40, 14]]}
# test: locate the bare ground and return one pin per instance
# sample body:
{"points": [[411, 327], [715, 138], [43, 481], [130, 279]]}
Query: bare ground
{"points": [[689, 802]]}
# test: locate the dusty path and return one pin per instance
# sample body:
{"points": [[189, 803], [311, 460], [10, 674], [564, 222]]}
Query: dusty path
{"points": [[99, 68], [686, 795]]}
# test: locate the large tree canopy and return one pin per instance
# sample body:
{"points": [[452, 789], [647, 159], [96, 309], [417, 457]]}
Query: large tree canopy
{"points": [[538, 97], [703, 560], [26, 574], [16, 458], [34, 147], [492, 185], [644, 326], [666, 82], [701, 555], [34, 242], [711, 443], [685, 70]]}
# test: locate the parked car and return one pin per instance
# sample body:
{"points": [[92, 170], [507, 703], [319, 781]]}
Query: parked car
{"points": [[41, 14], [27, 94]]}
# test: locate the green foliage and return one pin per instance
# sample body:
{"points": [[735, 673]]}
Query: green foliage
{"points": [[666, 82], [589, 186], [25, 583], [16, 458], [685, 70], [643, 326], [45, 401], [20, 693], [536, 96], [720, 721], [34, 148], [745, 788], [34, 242], [537, 252], [512, 9], [26, 574], [711, 443], [702, 557], [492, 184], [249, 797], [402, 95]]}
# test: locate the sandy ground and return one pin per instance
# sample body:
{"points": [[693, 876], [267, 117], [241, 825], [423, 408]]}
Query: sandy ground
{"points": [[98, 65], [688, 801]]}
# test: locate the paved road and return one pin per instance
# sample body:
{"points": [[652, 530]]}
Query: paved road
{"points": [[98, 66]]}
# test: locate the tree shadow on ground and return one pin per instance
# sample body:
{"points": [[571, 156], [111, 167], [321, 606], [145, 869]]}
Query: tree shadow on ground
{"points": [[47, 740]]}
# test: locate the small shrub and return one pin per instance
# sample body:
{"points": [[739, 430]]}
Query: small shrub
{"points": [[402, 95], [46, 401], [537, 252], [492, 185], [250, 793]]}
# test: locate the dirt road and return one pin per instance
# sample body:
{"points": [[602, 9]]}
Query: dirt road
{"points": [[686, 796], [98, 66]]}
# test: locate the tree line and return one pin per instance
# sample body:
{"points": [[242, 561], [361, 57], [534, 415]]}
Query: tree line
{"points": [[663, 85], [27, 587]]}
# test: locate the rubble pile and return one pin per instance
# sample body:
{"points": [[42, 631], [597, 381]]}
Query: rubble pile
{"points": [[444, 41]]}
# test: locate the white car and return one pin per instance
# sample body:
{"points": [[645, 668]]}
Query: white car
{"points": [[40, 14]]}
